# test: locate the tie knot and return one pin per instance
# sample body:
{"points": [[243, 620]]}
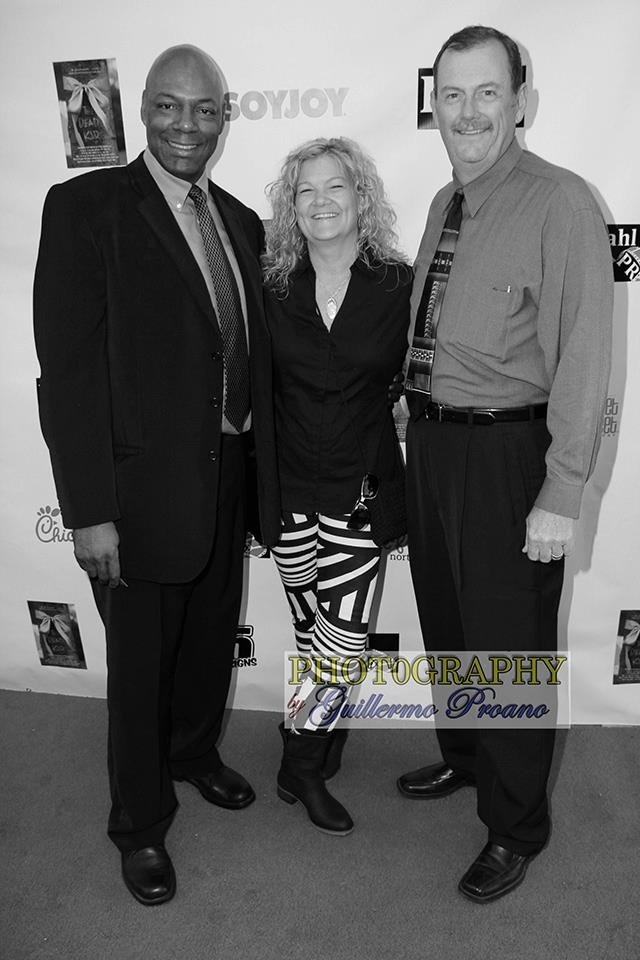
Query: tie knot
{"points": [[454, 213], [197, 195]]}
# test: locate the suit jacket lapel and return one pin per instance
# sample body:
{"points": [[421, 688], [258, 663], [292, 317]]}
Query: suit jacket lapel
{"points": [[245, 256], [155, 210]]}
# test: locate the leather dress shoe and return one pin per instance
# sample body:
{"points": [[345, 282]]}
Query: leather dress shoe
{"points": [[149, 874], [428, 783], [224, 787], [495, 872]]}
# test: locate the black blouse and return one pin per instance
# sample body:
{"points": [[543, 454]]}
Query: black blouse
{"points": [[332, 419]]}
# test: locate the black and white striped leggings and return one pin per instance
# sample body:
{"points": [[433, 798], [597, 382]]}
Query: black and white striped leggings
{"points": [[329, 575]]}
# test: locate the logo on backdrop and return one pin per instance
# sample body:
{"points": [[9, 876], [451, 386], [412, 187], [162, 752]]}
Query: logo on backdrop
{"points": [[426, 119], [625, 250], [425, 85], [50, 529], [244, 654], [49, 526], [399, 555], [285, 104], [610, 418]]}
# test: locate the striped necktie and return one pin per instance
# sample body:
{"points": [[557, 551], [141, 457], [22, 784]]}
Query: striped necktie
{"points": [[423, 348], [234, 342]]}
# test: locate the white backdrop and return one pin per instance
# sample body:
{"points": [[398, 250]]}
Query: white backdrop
{"points": [[295, 71]]}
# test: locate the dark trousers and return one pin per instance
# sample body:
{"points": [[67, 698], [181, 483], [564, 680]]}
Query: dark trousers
{"points": [[169, 654], [470, 488]]}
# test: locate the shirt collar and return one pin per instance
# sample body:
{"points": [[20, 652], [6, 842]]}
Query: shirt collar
{"points": [[174, 190], [359, 264], [479, 190]]}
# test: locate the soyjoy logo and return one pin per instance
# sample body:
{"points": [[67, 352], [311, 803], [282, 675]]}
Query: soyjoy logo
{"points": [[49, 526], [625, 250], [285, 104], [244, 653], [426, 120], [610, 418]]}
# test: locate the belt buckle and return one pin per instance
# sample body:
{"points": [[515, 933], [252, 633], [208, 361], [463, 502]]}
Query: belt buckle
{"points": [[484, 417]]}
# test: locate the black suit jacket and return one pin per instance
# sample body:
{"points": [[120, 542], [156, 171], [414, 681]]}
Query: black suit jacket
{"points": [[131, 384]]}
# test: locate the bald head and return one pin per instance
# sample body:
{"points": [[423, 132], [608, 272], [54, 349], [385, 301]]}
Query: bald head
{"points": [[182, 109], [184, 53]]}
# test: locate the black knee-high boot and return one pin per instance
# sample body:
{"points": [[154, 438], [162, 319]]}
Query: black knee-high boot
{"points": [[300, 778]]}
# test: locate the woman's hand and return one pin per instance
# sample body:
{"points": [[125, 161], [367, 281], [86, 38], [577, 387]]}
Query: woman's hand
{"points": [[395, 389], [396, 544]]}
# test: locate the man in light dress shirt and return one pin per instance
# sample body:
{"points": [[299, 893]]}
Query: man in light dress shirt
{"points": [[499, 454]]}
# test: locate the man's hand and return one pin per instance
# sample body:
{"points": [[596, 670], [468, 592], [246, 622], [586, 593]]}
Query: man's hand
{"points": [[396, 388], [549, 536], [96, 550]]}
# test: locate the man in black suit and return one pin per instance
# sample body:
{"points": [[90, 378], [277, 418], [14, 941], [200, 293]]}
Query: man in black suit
{"points": [[155, 401]]}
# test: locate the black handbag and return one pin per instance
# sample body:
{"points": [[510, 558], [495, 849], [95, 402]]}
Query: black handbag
{"points": [[382, 501], [388, 509]]}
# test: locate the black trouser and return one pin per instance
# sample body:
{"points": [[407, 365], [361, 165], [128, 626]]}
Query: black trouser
{"points": [[470, 488], [169, 653]]}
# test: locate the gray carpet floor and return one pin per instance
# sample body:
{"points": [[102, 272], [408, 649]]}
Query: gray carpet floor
{"points": [[263, 884]]}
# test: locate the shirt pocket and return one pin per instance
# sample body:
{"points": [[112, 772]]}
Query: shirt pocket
{"points": [[483, 318]]}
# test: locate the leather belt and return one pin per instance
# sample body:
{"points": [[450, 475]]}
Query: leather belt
{"points": [[484, 415]]}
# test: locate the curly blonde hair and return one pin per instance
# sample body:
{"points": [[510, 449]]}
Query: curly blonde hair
{"points": [[285, 243]]}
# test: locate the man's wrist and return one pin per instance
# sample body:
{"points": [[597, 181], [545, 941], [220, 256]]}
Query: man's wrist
{"points": [[561, 498]]}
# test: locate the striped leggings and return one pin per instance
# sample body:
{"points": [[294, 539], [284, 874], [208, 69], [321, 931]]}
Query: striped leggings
{"points": [[329, 575]]}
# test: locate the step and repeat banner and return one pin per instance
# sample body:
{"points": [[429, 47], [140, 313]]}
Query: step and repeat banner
{"points": [[72, 75]]}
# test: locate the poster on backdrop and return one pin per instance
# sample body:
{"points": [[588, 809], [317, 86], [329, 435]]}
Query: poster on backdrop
{"points": [[626, 668], [57, 635], [90, 112]]}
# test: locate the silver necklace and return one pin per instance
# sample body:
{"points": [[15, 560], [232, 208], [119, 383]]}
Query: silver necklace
{"points": [[332, 301]]}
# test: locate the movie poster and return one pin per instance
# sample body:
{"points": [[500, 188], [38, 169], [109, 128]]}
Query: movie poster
{"points": [[626, 668], [91, 112], [57, 635]]}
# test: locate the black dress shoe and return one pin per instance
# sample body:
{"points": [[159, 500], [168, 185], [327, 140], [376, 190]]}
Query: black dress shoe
{"points": [[149, 874], [495, 872], [224, 787], [427, 783]]}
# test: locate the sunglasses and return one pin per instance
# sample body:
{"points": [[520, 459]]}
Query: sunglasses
{"points": [[360, 514]]}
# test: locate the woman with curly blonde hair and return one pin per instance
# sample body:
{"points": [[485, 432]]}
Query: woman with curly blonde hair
{"points": [[376, 238], [337, 302]]}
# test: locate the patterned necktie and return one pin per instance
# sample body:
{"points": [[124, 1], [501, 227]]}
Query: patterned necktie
{"points": [[423, 348], [234, 343]]}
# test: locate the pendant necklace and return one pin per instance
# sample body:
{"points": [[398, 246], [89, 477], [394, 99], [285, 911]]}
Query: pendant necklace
{"points": [[333, 301]]}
